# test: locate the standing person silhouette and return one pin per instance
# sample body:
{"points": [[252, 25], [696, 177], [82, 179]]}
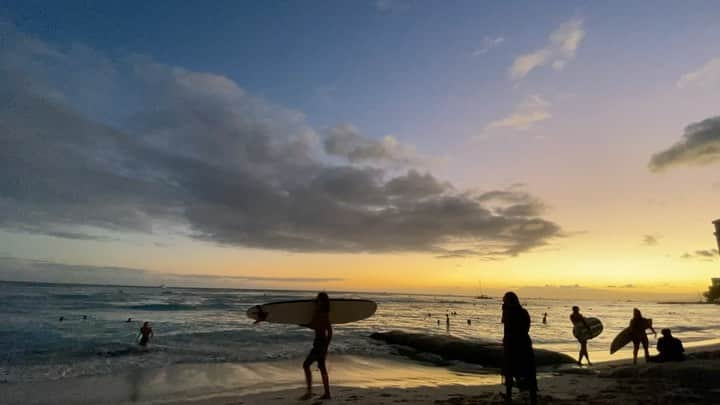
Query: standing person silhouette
{"points": [[544, 318], [519, 358], [323, 334], [447, 323], [145, 334], [638, 325], [577, 319]]}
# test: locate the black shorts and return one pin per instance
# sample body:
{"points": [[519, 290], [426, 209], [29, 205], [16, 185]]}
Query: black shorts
{"points": [[317, 354]]}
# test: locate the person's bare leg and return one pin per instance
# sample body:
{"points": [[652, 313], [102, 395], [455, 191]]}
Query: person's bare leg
{"points": [[645, 348], [325, 380], [308, 380], [508, 391], [636, 347]]}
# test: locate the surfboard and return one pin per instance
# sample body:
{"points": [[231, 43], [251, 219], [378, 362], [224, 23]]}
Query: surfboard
{"points": [[582, 333], [623, 338], [300, 312]]}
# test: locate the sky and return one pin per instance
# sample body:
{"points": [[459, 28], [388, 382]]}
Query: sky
{"points": [[564, 149]]}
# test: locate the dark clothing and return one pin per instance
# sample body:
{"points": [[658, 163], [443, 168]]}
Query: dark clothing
{"points": [[318, 352], [637, 330], [577, 319], [146, 332], [519, 358], [670, 348]]}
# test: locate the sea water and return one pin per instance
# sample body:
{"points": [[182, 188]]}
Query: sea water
{"points": [[209, 326]]}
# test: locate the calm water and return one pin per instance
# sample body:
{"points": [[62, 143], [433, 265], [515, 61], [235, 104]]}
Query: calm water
{"points": [[209, 326]]}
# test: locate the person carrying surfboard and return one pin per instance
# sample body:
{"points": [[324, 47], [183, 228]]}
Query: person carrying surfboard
{"points": [[638, 325], [519, 358], [577, 319], [323, 334], [145, 334]]}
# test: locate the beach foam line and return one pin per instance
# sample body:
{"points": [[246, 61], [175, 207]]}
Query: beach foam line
{"points": [[182, 382]]}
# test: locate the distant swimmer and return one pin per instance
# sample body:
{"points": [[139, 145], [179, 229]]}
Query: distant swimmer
{"points": [[62, 318], [145, 334], [129, 320], [638, 325], [519, 358], [438, 322], [469, 322], [447, 322], [84, 317], [545, 318], [323, 334], [670, 348], [577, 319]]}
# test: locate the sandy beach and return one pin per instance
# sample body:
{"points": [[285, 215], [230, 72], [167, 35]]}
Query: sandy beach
{"points": [[362, 381], [617, 382]]}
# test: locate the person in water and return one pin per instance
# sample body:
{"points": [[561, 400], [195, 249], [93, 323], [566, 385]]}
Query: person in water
{"points": [[323, 334], [145, 334], [638, 325], [578, 320], [519, 358], [670, 348], [545, 318]]}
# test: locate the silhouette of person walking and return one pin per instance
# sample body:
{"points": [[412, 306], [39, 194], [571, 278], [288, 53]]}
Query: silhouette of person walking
{"points": [[519, 358], [323, 334], [638, 325], [577, 319]]}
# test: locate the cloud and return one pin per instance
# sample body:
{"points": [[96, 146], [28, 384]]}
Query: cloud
{"points": [[488, 43], [651, 240], [162, 147], [705, 255], [532, 110], [347, 142], [16, 269], [560, 49], [706, 76], [699, 146]]}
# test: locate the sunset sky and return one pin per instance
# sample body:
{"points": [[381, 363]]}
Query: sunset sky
{"points": [[567, 149]]}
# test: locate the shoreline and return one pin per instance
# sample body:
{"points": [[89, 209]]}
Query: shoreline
{"points": [[612, 382], [378, 381]]}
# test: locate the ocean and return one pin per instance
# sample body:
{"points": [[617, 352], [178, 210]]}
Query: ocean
{"points": [[209, 326]]}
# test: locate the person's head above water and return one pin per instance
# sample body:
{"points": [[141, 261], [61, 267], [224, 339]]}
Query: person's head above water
{"points": [[323, 302], [636, 313], [146, 324], [575, 308], [666, 332], [511, 299]]}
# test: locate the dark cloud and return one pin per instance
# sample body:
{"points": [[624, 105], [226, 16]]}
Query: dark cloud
{"points": [[705, 254], [347, 142], [15, 269], [141, 145], [651, 240], [700, 145]]}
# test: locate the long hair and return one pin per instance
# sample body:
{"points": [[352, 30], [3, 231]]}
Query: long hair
{"points": [[510, 301], [323, 301]]}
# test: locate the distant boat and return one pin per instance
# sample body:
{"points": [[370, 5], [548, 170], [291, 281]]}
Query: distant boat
{"points": [[482, 296]]}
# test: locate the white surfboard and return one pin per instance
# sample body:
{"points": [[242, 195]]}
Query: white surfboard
{"points": [[300, 312]]}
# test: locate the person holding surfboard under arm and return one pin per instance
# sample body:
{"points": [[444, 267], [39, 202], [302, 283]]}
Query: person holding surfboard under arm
{"points": [[577, 319], [323, 334], [638, 325]]}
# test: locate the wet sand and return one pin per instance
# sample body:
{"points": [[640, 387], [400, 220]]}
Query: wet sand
{"points": [[376, 381], [618, 382]]}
